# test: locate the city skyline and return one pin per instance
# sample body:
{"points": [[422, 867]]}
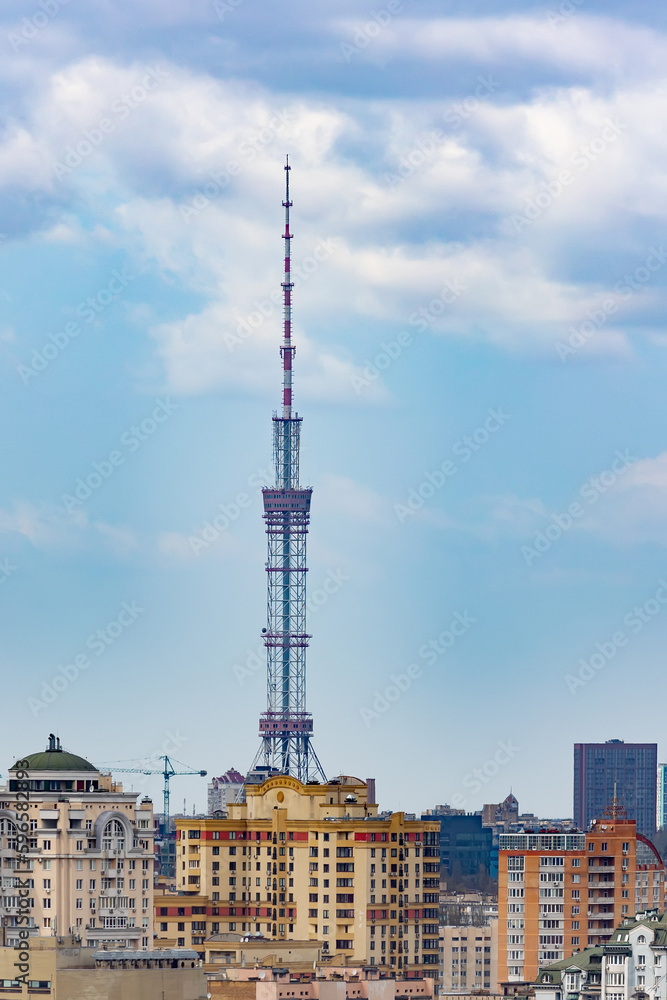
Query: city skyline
{"points": [[479, 290]]}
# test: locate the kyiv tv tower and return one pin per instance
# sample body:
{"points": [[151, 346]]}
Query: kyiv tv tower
{"points": [[286, 727]]}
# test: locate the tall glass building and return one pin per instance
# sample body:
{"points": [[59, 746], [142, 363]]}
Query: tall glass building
{"points": [[629, 768]]}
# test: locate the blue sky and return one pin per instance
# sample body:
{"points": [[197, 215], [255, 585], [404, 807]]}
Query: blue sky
{"points": [[479, 218]]}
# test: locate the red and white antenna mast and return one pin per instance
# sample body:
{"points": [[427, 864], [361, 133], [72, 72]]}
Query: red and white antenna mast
{"points": [[286, 727], [287, 349]]}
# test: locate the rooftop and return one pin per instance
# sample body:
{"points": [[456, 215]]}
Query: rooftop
{"points": [[54, 758]]}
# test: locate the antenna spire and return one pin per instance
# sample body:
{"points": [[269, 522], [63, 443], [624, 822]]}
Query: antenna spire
{"points": [[287, 351]]}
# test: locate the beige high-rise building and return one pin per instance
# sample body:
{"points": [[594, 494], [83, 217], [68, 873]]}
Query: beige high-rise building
{"points": [[315, 862], [88, 862], [469, 957]]}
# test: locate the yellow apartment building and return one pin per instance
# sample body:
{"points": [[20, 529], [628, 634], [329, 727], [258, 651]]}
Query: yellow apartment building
{"points": [[316, 862]]}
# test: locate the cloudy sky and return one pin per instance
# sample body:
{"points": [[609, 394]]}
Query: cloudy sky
{"points": [[481, 278]]}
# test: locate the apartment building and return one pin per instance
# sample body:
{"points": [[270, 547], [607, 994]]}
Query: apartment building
{"points": [[560, 893], [631, 964], [184, 920], [89, 853], [469, 957], [223, 789], [315, 862], [61, 968]]}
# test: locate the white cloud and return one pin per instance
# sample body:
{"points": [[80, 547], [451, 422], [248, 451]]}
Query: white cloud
{"points": [[633, 510], [394, 249], [46, 526]]}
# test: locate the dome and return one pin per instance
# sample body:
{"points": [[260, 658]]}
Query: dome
{"points": [[54, 758]]}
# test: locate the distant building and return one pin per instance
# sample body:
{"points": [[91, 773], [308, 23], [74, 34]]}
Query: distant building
{"points": [[461, 909], [529, 821], [89, 852], [465, 850], [662, 797], [561, 892], [443, 810], [323, 983], [502, 815], [469, 957], [223, 790], [625, 770], [61, 967]]}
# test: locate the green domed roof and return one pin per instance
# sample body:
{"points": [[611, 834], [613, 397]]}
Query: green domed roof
{"points": [[54, 758]]}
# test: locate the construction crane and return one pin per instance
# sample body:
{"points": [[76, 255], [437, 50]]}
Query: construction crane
{"points": [[167, 772]]}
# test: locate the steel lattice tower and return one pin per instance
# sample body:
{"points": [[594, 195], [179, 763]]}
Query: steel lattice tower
{"points": [[286, 727]]}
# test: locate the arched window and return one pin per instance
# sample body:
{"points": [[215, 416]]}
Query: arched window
{"points": [[641, 939], [113, 838]]}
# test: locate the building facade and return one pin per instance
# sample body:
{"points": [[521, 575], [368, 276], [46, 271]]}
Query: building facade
{"points": [[469, 957], [336, 983], [89, 852], [625, 772], [465, 850], [223, 790], [185, 920], [315, 862], [661, 818], [631, 965], [559, 893], [61, 968]]}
